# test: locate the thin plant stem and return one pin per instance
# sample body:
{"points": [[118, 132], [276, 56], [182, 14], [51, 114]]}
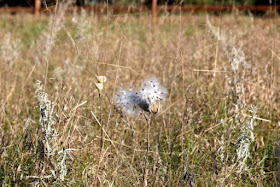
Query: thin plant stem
{"points": [[49, 51], [101, 135], [145, 174]]}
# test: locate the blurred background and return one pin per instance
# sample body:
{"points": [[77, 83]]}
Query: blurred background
{"points": [[145, 2]]}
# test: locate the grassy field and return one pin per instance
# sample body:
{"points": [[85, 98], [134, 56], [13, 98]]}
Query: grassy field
{"points": [[218, 127]]}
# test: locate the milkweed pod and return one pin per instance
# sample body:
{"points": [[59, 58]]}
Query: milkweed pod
{"points": [[154, 108], [101, 79], [99, 86]]}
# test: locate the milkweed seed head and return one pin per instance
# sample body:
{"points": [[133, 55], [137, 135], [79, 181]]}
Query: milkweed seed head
{"points": [[152, 91], [147, 98], [127, 101]]}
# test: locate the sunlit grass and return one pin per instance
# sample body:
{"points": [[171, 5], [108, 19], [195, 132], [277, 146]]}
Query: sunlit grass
{"points": [[186, 136]]}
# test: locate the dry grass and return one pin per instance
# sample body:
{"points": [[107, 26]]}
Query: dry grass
{"points": [[196, 136]]}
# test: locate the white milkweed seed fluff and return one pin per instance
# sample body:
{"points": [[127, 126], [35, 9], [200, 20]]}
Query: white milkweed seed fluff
{"points": [[152, 91], [127, 101], [133, 103]]}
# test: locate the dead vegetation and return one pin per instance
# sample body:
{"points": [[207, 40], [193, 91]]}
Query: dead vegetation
{"points": [[219, 125]]}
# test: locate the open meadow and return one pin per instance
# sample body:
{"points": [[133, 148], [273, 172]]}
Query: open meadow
{"points": [[219, 124]]}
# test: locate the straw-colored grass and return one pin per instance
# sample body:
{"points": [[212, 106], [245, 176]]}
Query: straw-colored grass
{"points": [[218, 102]]}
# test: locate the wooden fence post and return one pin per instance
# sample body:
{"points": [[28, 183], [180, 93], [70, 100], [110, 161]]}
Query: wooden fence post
{"points": [[154, 9], [37, 7]]}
